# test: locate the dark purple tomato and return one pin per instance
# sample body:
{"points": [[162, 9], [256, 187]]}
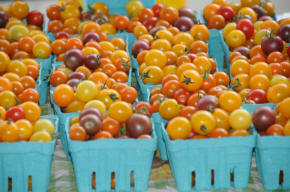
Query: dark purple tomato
{"points": [[73, 83], [73, 58], [138, 124], [259, 96], [288, 51], [62, 35], [91, 123], [92, 61], [247, 27], [86, 16], [15, 113], [243, 50], [150, 23], [265, 18], [3, 19], [35, 18], [139, 46], [284, 32], [187, 12], [157, 9], [154, 30], [208, 103], [92, 111], [77, 75], [263, 117], [181, 95], [260, 11], [183, 23], [100, 18], [145, 40], [227, 12], [271, 44], [144, 108], [91, 36]]}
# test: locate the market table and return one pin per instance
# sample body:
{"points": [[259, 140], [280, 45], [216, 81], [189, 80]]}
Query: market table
{"points": [[62, 175]]}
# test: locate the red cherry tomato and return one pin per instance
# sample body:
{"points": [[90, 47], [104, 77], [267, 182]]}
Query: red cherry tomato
{"points": [[181, 95], [144, 108], [227, 12], [35, 18], [15, 113], [157, 9], [247, 27]]}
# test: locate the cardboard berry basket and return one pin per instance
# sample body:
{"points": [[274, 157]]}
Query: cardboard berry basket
{"points": [[95, 161], [206, 164], [272, 158], [42, 85], [24, 161], [64, 116]]}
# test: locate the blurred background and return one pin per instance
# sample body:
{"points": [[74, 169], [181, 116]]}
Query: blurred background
{"points": [[282, 6]]}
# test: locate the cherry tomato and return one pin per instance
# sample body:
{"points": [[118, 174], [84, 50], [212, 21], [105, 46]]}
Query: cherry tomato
{"points": [[230, 100], [203, 122], [219, 133], [275, 129], [240, 119], [77, 133], [120, 111], [247, 27], [15, 113], [63, 95], [169, 109], [178, 128]]}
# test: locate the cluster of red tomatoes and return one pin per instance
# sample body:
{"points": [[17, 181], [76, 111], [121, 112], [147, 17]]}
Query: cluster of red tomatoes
{"points": [[120, 122]]}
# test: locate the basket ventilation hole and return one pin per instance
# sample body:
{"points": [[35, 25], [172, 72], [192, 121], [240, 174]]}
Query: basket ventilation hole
{"points": [[30, 183], [212, 177], [132, 180], [281, 177], [113, 181], [232, 176], [192, 178], [9, 184], [94, 180]]}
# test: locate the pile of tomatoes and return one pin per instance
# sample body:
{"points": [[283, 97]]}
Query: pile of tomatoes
{"points": [[119, 122], [22, 123], [218, 13], [19, 40], [70, 17], [18, 81], [270, 122]]}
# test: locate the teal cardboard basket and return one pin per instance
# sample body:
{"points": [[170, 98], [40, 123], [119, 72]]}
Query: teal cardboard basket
{"points": [[218, 164], [157, 119], [216, 50], [63, 116], [117, 7], [272, 159], [45, 65], [126, 158], [21, 160]]}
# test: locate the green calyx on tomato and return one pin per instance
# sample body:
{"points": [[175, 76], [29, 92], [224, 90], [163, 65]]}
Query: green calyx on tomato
{"points": [[145, 75], [125, 64], [203, 128], [206, 73], [113, 96], [237, 83], [187, 80]]}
